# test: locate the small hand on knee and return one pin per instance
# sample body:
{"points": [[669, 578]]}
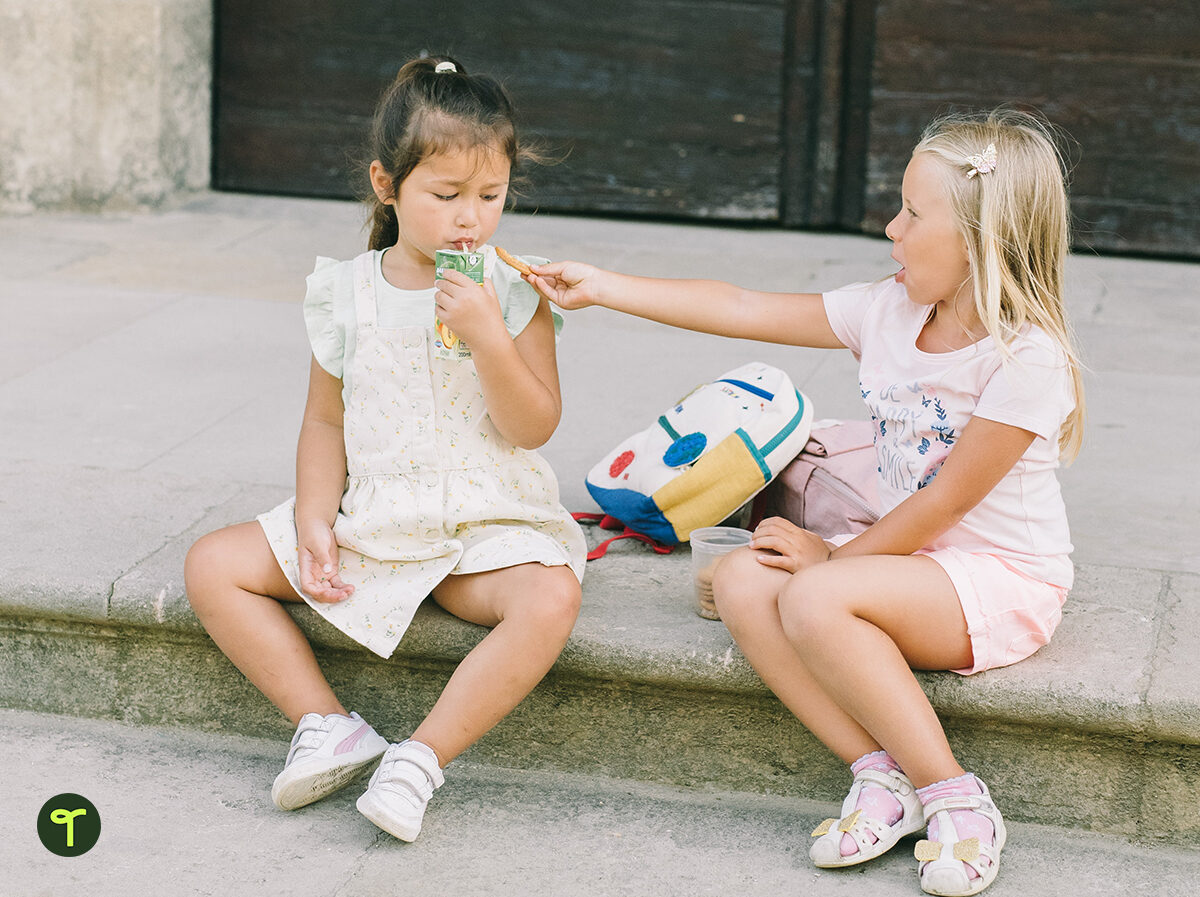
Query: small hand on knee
{"points": [[782, 544]]}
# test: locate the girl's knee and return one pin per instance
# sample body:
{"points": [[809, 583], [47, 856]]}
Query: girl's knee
{"points": [[556, 600], [222, 558], [202, 565], [807, 604], [741, 584]]}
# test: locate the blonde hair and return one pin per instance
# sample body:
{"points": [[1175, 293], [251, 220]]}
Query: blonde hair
{"points": [[1015, 223]]}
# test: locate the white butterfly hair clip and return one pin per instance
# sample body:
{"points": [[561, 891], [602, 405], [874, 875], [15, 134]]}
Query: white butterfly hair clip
{"points": [[982, 163]]}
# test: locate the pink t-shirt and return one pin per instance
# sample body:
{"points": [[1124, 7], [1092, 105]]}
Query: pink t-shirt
{"points": [[920, 402]]}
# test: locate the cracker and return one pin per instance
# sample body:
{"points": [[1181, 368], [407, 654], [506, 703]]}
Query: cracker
{"points": [[512, 261]]}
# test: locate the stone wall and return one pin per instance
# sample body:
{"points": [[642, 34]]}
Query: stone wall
{"points": [[104, 104]]}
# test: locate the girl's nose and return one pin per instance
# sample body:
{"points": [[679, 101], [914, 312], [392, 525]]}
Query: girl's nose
{"points": [[892, 232], [468, 215]]}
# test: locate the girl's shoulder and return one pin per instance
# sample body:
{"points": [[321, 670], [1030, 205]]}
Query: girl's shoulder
{"points": [[329, 310], [1035, 346], [331, 275], [883, 295]]}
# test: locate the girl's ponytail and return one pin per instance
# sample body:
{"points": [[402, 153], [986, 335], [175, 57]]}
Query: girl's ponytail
{"points": [[385, 230]]}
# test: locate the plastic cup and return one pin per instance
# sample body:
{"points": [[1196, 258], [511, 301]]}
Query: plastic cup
{"points": [[709, 545]]}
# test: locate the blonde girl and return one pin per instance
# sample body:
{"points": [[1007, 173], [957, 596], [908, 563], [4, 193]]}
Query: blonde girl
{"points": [[968, 371], [415, 471]]}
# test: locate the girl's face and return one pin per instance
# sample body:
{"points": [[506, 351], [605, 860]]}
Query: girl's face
{"points": [[926, 241], [451, 200]]}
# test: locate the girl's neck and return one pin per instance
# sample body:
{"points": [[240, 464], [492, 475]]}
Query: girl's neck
{"points": [[406, 269], [951, 325]]}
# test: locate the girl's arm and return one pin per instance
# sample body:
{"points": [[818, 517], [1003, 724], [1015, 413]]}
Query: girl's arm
{"points": [[518, 377], [983, 455], [320, 482], [709, 306]]}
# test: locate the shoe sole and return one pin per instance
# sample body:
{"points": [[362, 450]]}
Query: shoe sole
{"points": [[369, 807], [293, 793]]}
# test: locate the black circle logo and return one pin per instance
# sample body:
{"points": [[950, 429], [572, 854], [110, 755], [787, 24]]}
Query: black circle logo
{"points": [[69, 825]]}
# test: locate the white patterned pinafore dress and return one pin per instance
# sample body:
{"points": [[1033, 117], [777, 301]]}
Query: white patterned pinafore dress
{"points": [[432, 487]]}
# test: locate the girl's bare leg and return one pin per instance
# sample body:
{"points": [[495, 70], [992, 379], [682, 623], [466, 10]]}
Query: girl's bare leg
{"points": [[859, 626], [235, 586], [747, 597], [532, 610], [836, 641]]}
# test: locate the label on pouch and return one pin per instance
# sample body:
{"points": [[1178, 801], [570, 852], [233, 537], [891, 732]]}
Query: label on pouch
{"points": [[446, 343]]}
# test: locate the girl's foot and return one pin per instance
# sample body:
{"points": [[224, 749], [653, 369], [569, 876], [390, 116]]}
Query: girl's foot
{"points": [[327, 753], [400, 788], [961, 855], [881, 808]]}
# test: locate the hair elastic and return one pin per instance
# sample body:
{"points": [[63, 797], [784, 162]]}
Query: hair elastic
{"points": [[445, 67], [982, 163]]}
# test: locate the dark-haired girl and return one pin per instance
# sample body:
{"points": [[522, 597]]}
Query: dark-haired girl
{"points": [[416, 472]]}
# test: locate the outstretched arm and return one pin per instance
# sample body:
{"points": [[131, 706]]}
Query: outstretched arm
{"points": [[710, 306]]}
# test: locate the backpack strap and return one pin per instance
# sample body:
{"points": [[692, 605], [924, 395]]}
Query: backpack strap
{"points": [[612, 523]]}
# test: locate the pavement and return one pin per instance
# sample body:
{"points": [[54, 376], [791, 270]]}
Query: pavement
{"points": [[189, 813], [152, 378]]}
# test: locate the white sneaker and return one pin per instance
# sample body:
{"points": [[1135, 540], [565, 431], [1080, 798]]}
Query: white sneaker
{"points": [[327, 753], [400, 788]]}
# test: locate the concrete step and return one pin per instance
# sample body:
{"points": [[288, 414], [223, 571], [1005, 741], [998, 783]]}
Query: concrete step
{"points": [[1100, 731], [189, 813]]}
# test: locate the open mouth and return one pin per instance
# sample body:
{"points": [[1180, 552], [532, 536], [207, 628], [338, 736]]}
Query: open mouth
{"points": [[463, 245]]}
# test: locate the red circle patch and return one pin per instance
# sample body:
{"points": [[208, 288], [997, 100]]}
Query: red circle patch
{"points": [[620, 462]]}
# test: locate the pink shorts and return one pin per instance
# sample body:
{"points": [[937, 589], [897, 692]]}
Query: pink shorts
{"points": [[1009, 615]]}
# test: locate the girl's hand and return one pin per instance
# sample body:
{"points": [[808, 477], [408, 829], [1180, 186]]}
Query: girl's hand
{"points": [[319, 576], [569, 285], [794, 548], [470, 309]]}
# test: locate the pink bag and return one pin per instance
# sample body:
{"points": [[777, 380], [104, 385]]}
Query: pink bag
{"points": [[831, 486]]}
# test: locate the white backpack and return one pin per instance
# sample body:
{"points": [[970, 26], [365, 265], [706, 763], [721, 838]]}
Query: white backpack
{"points": [[706, 456]]}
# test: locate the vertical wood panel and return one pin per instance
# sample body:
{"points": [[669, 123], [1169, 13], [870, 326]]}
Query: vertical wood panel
{"points": [[828, 71], [1123, 83]]}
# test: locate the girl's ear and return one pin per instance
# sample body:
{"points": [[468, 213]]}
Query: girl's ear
{"points": [[381, 183]]}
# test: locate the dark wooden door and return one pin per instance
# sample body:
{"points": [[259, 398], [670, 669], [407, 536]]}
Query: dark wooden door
{"points": [[670, 108], [799, 113]]}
